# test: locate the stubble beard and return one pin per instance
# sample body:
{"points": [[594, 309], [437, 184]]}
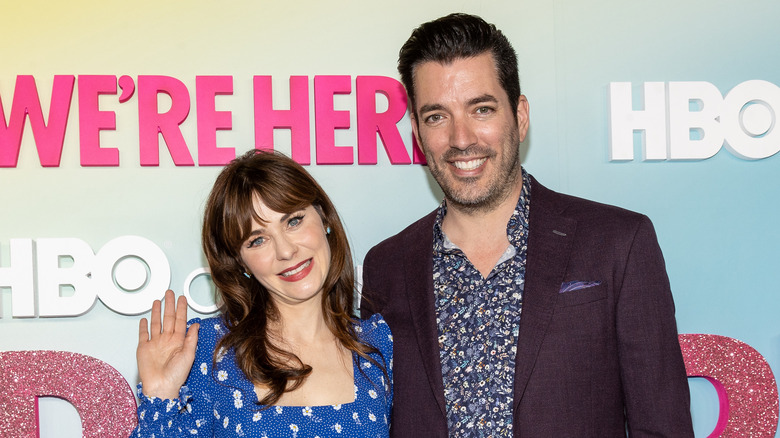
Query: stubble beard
{"points": [[465, 194]]}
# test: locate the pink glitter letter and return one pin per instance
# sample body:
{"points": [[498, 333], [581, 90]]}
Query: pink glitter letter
{"points": [[151, 122], [327, 119], [50, 136], [745, 384], [102, 397], [296, 119], [369, 122], [92, 121], [210, 120]]}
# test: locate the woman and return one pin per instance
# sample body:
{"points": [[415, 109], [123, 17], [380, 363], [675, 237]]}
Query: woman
{"points": [[284, 358]]}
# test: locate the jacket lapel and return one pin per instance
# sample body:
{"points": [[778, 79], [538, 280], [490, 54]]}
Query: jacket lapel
{"points": [[549, 247], [420, 298]]}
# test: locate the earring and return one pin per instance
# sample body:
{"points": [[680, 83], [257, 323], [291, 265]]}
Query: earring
{"points": [[327, 230], [247, 275]]}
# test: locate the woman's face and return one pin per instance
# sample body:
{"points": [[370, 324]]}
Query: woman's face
{"points": [[289, 254]]}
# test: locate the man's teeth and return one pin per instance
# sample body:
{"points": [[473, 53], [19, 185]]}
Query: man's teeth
{"points": [[296, 270], [469, 165]]}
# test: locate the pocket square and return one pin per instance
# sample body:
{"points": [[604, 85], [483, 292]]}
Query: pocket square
{"points": [[576, 285]]}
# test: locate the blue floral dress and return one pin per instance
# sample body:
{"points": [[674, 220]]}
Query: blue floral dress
{"points": [[222, 402]]}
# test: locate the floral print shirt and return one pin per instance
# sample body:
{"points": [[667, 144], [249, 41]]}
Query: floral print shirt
{"points": [[478, 320], [221, 401]]}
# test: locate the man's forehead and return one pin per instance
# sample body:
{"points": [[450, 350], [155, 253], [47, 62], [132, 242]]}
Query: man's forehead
{"points": [[475, 75]]}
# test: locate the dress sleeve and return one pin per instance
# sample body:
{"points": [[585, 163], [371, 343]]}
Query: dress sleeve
{"points": [[375, 332], [189, 414]]}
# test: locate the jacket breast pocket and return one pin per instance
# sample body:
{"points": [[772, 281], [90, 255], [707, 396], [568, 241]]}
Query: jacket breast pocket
{"points": [[582, 296]]}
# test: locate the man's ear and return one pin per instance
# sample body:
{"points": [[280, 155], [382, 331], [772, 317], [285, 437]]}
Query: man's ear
{"points": [[522, 117]]}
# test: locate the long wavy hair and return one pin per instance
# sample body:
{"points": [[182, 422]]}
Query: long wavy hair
{"points": [[284, 186]]}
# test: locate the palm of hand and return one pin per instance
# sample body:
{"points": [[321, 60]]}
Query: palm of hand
{"points": [[165, 357]]}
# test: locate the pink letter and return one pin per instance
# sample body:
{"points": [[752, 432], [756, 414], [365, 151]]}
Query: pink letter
{"points": [[745, 384], [92, 121], [296, 119], [50, 136], [99, 393], [327, 120], [151, 122], [417, 154], [210, 120], [369, 122]]}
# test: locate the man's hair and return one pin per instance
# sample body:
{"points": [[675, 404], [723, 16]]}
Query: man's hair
{"points": [[458, 36]]}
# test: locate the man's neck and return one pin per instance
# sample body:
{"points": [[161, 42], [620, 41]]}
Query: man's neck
{"points": [[481, 234]]}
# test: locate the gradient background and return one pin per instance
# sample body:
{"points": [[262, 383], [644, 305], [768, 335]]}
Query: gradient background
{"points": [[716, 219]]}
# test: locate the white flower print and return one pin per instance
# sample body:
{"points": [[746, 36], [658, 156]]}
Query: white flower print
{"points": [[257, 416], [237, 402], [156, 415], [204, 369], [372, 393], [294, 427], [337, 427], [239, 430], [390, 337], [278, 409], [198, 422], [222, 375], [171, 404], [356, 417], [307, 411], [371, 416], [142, 414], [337, 407], [225, 422], [358, 329], [216, 414]]}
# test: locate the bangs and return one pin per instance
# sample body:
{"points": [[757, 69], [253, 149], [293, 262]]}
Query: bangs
{"points": [[277, 194]]}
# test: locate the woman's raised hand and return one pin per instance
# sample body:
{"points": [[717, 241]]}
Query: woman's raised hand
{"points": [[165, 357]]}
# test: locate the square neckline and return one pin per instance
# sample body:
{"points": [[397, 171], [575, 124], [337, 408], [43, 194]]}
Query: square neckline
{"points": [[355, 371]]}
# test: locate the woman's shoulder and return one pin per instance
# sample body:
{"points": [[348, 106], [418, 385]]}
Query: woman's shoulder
{"points": [[211, 329], [374, 331]]}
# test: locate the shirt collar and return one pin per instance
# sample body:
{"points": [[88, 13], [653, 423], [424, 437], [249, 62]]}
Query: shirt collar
{"points": [[516, 227]]}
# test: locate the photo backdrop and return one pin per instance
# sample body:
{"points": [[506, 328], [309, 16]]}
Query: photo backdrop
{"points": [[715, 213]]}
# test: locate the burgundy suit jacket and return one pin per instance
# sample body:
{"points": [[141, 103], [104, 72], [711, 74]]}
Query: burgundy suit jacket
{"points": [[593, 362]]}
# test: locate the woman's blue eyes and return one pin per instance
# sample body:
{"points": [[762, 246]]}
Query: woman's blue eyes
{"points": [[295, 221], [256, 242], [292, 222]]}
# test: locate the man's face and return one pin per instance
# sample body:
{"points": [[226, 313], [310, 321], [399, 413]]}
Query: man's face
{"points": [[467, 130]]}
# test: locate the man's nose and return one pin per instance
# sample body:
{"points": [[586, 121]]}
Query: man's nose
{"points": [[462, 134]]}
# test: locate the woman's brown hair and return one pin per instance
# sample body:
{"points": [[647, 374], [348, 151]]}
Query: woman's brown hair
{"points": [[285, 187]]}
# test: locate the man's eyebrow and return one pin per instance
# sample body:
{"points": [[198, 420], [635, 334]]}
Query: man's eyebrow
{"points": [[482, 99], [431, 107], [471, 102]]}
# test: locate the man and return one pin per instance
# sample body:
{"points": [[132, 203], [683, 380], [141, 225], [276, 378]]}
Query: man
{"points": [[515, 310]]}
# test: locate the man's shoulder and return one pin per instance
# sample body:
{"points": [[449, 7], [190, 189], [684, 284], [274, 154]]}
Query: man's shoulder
{"points": [[546, 201]]}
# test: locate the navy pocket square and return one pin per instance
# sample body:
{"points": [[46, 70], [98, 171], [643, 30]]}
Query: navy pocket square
{"points": [[577, 285]]}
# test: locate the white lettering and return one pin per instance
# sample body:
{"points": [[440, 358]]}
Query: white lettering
{"points": [[66, 277], [693, 121]]}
